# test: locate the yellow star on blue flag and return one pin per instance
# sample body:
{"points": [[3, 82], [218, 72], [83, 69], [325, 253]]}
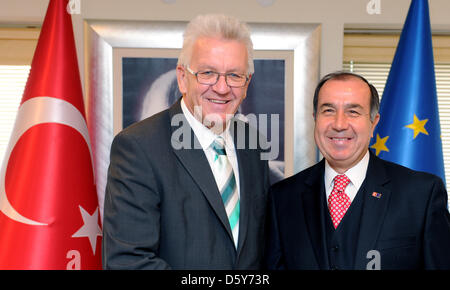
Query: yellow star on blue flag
{"points": [[380, 145], [418, 126], [410, 91]]}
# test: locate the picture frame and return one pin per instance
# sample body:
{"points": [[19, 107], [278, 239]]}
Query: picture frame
{"points": [[107, 43]]}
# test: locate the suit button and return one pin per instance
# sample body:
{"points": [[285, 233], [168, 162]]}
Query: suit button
{"points": [[335, 248], [334, 268]]}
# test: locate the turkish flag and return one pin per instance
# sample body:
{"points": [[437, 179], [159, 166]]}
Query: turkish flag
{"points": [[49, 216]]}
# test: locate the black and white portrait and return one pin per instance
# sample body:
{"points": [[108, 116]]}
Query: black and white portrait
{"points": [[150, 86]]}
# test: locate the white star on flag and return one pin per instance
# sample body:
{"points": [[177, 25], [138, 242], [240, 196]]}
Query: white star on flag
{"points": [[90, 229]]}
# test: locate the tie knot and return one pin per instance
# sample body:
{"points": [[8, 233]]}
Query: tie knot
{"points": [[219, 146], [341, 182]]}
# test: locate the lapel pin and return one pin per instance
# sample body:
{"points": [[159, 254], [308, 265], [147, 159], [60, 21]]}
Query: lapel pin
{"points": [[376, 194]]}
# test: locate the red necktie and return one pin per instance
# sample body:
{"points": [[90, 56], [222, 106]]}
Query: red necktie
{"points": [[338, 201]]}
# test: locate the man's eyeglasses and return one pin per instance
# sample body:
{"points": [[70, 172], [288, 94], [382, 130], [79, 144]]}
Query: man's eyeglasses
{"points": [[233, 80]]}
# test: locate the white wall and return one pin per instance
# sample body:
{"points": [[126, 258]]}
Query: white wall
{"points": [[333, 15]]}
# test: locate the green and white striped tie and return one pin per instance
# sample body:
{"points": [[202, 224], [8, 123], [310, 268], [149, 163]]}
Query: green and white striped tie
{"points": [[226, 182]]}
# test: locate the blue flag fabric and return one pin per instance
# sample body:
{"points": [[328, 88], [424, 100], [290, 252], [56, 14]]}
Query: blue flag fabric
{"points": [[409, 130]]}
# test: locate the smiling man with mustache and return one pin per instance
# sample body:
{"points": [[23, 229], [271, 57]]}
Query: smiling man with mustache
{"points": [[344, 124], [353, 210]]}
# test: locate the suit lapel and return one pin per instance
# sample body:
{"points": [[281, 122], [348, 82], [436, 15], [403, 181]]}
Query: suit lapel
{"points": [[245, 175], [195, 162], [245, 194], [376, 199], [313, 201]]}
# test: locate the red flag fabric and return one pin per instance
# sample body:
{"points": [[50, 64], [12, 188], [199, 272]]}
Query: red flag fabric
{"points": [[49, 216]]}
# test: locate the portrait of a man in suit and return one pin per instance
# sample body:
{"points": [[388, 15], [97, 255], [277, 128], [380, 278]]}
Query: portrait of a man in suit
{"points": [[200, 206], [353, 210]]}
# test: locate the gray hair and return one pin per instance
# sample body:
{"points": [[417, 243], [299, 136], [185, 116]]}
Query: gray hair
{"points": [[216, 26], [345, 75]]}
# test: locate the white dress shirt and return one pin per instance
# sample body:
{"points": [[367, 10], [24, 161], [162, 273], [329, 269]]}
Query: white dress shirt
{"points": [[206, 137], [356, 174]]}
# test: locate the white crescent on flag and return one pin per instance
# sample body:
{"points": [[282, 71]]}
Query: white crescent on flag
{"points": [[33, 112]]}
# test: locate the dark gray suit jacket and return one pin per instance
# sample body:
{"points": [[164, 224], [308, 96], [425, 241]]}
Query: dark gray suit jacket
{"points": [[408, 224], [163, 209]]}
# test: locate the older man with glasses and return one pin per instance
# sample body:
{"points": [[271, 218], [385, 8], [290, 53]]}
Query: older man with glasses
{"points": [[200, 206]]}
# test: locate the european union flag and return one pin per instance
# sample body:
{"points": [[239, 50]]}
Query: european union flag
{"points": [[409, 131]]}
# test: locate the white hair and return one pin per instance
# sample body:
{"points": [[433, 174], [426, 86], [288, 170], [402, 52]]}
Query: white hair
{"points": [[216, 26]]}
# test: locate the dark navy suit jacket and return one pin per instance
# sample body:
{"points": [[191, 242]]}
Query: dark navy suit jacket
{"points": [[407, 222], [162, 206]]}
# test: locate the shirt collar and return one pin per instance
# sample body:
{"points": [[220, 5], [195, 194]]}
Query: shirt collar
{"points": [[356, 174], [203, 134]]}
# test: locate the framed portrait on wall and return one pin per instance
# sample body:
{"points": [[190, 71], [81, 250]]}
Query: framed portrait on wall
{"points": [[149, 85], [130, 75]]}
